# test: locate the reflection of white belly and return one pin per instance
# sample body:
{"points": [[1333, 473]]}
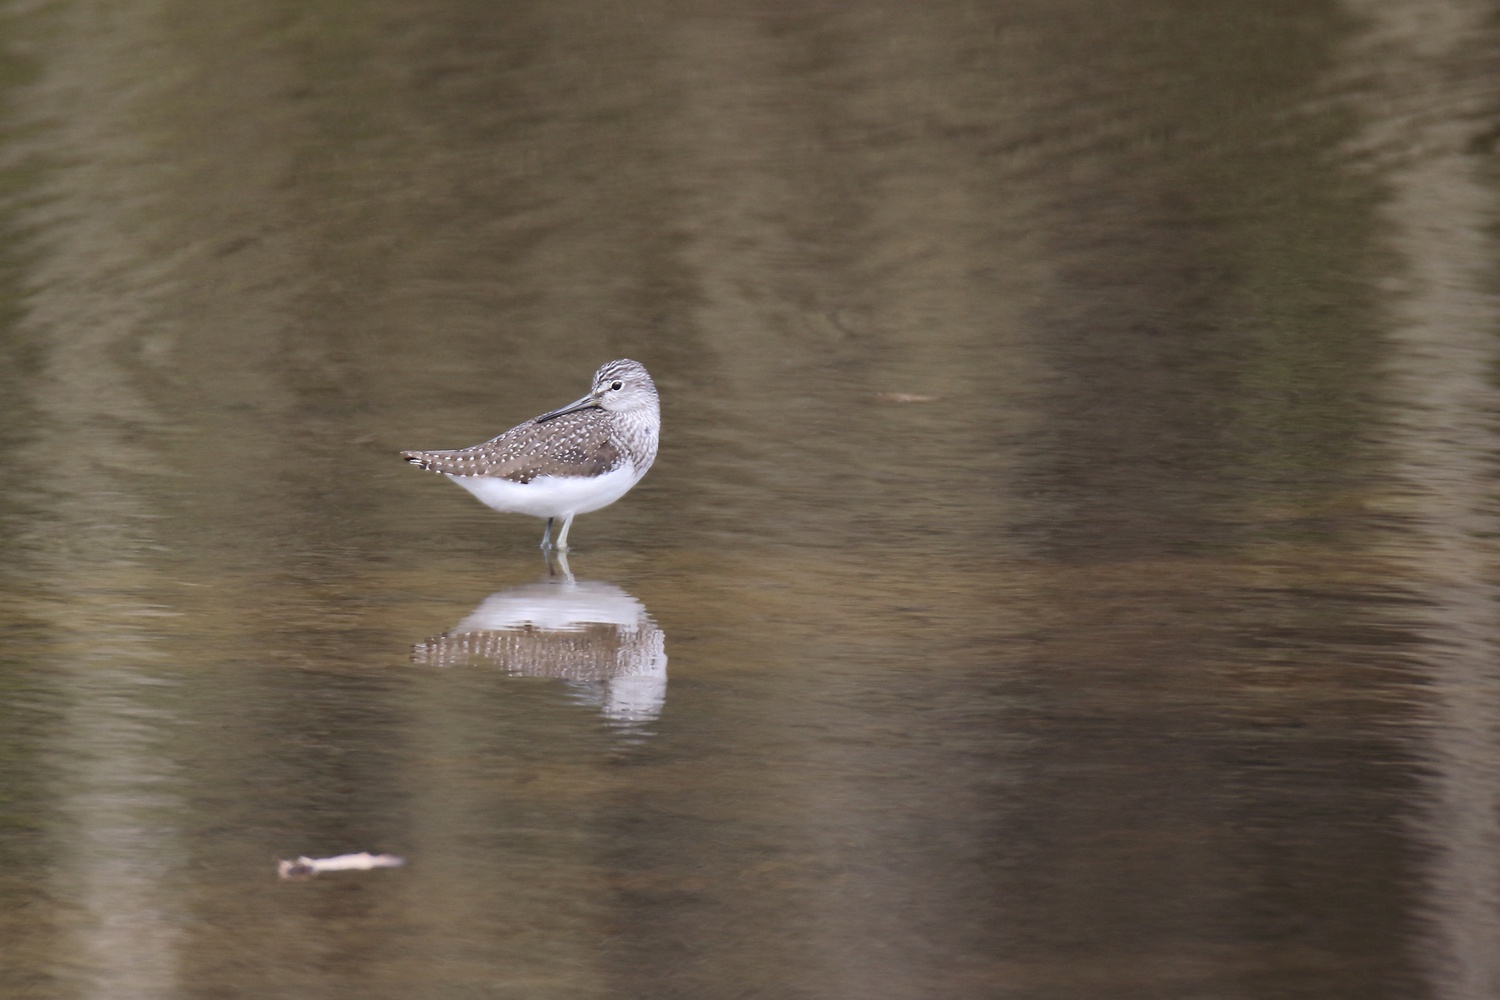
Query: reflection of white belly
{"points": [[552, 496]]}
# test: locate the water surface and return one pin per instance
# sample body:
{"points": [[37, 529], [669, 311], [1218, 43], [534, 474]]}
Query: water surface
{"points": [[1068, 570]]}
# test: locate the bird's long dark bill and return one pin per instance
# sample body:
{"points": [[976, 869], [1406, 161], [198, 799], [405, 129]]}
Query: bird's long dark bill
{"points": [[586, 403]]}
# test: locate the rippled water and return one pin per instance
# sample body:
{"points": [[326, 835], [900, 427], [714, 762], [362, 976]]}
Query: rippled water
{"points": [[1069, 570]]}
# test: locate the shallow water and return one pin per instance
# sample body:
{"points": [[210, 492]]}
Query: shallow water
{"points": [[1069, 570]]}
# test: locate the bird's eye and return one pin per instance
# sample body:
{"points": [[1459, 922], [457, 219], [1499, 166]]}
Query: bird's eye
{"points": [[617, 386]]}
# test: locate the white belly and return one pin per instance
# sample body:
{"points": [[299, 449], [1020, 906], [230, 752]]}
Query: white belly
{"points": [[552, 496]]}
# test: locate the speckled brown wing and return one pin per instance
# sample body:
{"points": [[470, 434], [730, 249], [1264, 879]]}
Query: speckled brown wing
{"points": [[591, 652], [574, 444]]}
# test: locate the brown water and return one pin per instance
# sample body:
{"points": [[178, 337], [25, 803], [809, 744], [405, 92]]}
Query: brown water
{"points": [[1069, 571]]}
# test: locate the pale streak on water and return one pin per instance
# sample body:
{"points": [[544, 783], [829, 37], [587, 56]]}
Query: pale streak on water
{"points": [[1444, 441]]}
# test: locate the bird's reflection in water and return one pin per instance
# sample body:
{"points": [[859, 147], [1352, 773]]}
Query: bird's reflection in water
{"points": [[591, 634]]}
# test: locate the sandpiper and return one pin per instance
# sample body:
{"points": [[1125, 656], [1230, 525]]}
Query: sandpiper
{"points": [[573, 460]]}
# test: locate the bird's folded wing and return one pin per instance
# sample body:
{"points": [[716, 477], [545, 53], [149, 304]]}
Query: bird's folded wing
{"points": [[574, 445]]}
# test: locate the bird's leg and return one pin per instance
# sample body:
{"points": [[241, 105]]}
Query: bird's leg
{"points": [[547, 534], [562, 536]]}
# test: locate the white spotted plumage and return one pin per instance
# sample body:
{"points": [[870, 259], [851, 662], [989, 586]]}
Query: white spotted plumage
{"points": [[571, 461]]}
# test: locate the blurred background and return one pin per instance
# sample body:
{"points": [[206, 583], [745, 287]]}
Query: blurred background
{"points": [[1069, 570]]}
